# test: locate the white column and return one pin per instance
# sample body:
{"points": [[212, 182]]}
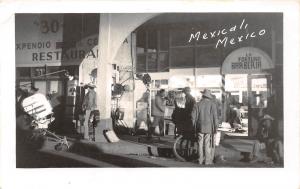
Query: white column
{"points": [[104, 77]]}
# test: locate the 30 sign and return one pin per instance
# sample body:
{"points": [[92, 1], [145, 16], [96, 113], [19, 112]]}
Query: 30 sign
{"points": [[47, 26]]}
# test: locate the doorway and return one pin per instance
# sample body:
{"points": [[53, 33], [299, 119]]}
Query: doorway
{"points": [[259, 91]]}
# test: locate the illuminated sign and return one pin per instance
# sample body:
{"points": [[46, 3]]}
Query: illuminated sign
{"points": [[247, 60]]}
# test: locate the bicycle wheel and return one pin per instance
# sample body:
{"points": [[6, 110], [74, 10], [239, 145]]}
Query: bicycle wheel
{"points": [[185, 148]]}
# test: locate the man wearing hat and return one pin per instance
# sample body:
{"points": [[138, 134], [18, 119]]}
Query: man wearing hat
{"points": [[89, 104], [205, 118], [268, 138]]}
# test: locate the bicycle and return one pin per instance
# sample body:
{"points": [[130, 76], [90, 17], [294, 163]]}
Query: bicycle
{"points": [[186, 146]]}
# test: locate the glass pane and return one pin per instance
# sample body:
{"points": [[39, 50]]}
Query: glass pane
{"points": [[182, 57], [163, 62], [40, 71], [141, 63], [56, 87], [164, 40], [208, 57], [259, 92], [151, 62], [52, 71], [24, 72], [180, 38], [41, 85], [141, 42], [152, 41]]}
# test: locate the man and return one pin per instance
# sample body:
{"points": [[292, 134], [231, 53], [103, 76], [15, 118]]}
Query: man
{"points": [[189, 105], [269, 139], [89, 104], [158, 111], [205, 118]]}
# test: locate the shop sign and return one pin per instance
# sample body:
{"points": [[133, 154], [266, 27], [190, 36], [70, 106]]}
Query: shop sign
{"points": [[72, 87], [39, 41], [247, 60]]}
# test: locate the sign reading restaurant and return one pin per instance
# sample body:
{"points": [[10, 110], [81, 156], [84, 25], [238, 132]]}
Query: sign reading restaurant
{"points": [[39, 41], [247, 60]]}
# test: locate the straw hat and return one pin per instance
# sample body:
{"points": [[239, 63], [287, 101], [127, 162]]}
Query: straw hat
{"points": [[206, 93]]}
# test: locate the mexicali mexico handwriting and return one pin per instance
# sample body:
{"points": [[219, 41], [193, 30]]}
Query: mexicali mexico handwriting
{"points": [[223, 39]]}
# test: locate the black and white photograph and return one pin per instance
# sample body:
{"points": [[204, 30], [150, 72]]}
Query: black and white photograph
{"points": [[207, 90], [173, 90]]}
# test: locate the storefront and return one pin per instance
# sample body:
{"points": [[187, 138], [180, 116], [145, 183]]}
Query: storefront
{"points": [[238, 56], [177, 50], [55, 53]]}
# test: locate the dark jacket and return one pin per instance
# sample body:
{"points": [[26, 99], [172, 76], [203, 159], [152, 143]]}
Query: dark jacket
{"points": [[158, 106], [89, 101], [189, 105], [205, 117]]}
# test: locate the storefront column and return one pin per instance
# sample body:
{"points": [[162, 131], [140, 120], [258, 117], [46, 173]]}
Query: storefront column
{"points": [[104, 78]]}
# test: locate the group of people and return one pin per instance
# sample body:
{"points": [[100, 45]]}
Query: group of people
{"points": [[202, 119], [188, 117]]}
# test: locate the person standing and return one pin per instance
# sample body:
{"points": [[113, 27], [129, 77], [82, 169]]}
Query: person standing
{"points": [[205, 118], [89, 104], [178, 117], [189, 105], [158, 111]]}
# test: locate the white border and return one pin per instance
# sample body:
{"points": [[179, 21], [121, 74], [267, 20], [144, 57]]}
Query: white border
{"points": [[287, 177]]}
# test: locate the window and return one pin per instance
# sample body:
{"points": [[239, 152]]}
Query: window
{"points": [[152, 51], [164, 40], [182, 57], [180, 37], [141, 42], [23, 72], [208, 57]]}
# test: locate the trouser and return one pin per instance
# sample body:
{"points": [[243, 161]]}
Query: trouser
{"points": [[158, 121], [206, 148], [86, 124]]}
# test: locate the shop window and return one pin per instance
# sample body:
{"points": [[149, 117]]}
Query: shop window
{"points": [[164, 40], [182, 57], [23, 72], [152, 41], [41, 85], [180, 38], [208, 56], [56, 87], [151, 62], [163, 62], [52, 69], [39, 71], [164, 82], [141, 63], [141, 42]]}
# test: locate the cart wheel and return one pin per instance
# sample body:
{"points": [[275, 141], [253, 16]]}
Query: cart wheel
{"points": [[185, 148]]}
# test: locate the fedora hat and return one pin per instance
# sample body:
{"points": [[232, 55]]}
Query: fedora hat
{"points": [[267, 117], [206, 93]]}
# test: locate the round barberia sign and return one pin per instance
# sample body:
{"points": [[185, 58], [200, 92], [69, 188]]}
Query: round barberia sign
{"points": [[247, 60]]}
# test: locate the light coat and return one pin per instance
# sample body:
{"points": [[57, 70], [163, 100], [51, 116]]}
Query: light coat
{"points": [[205, 116], [158, 106]]}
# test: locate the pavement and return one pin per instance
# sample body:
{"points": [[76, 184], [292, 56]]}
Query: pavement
{"points": [[130, 151]]}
